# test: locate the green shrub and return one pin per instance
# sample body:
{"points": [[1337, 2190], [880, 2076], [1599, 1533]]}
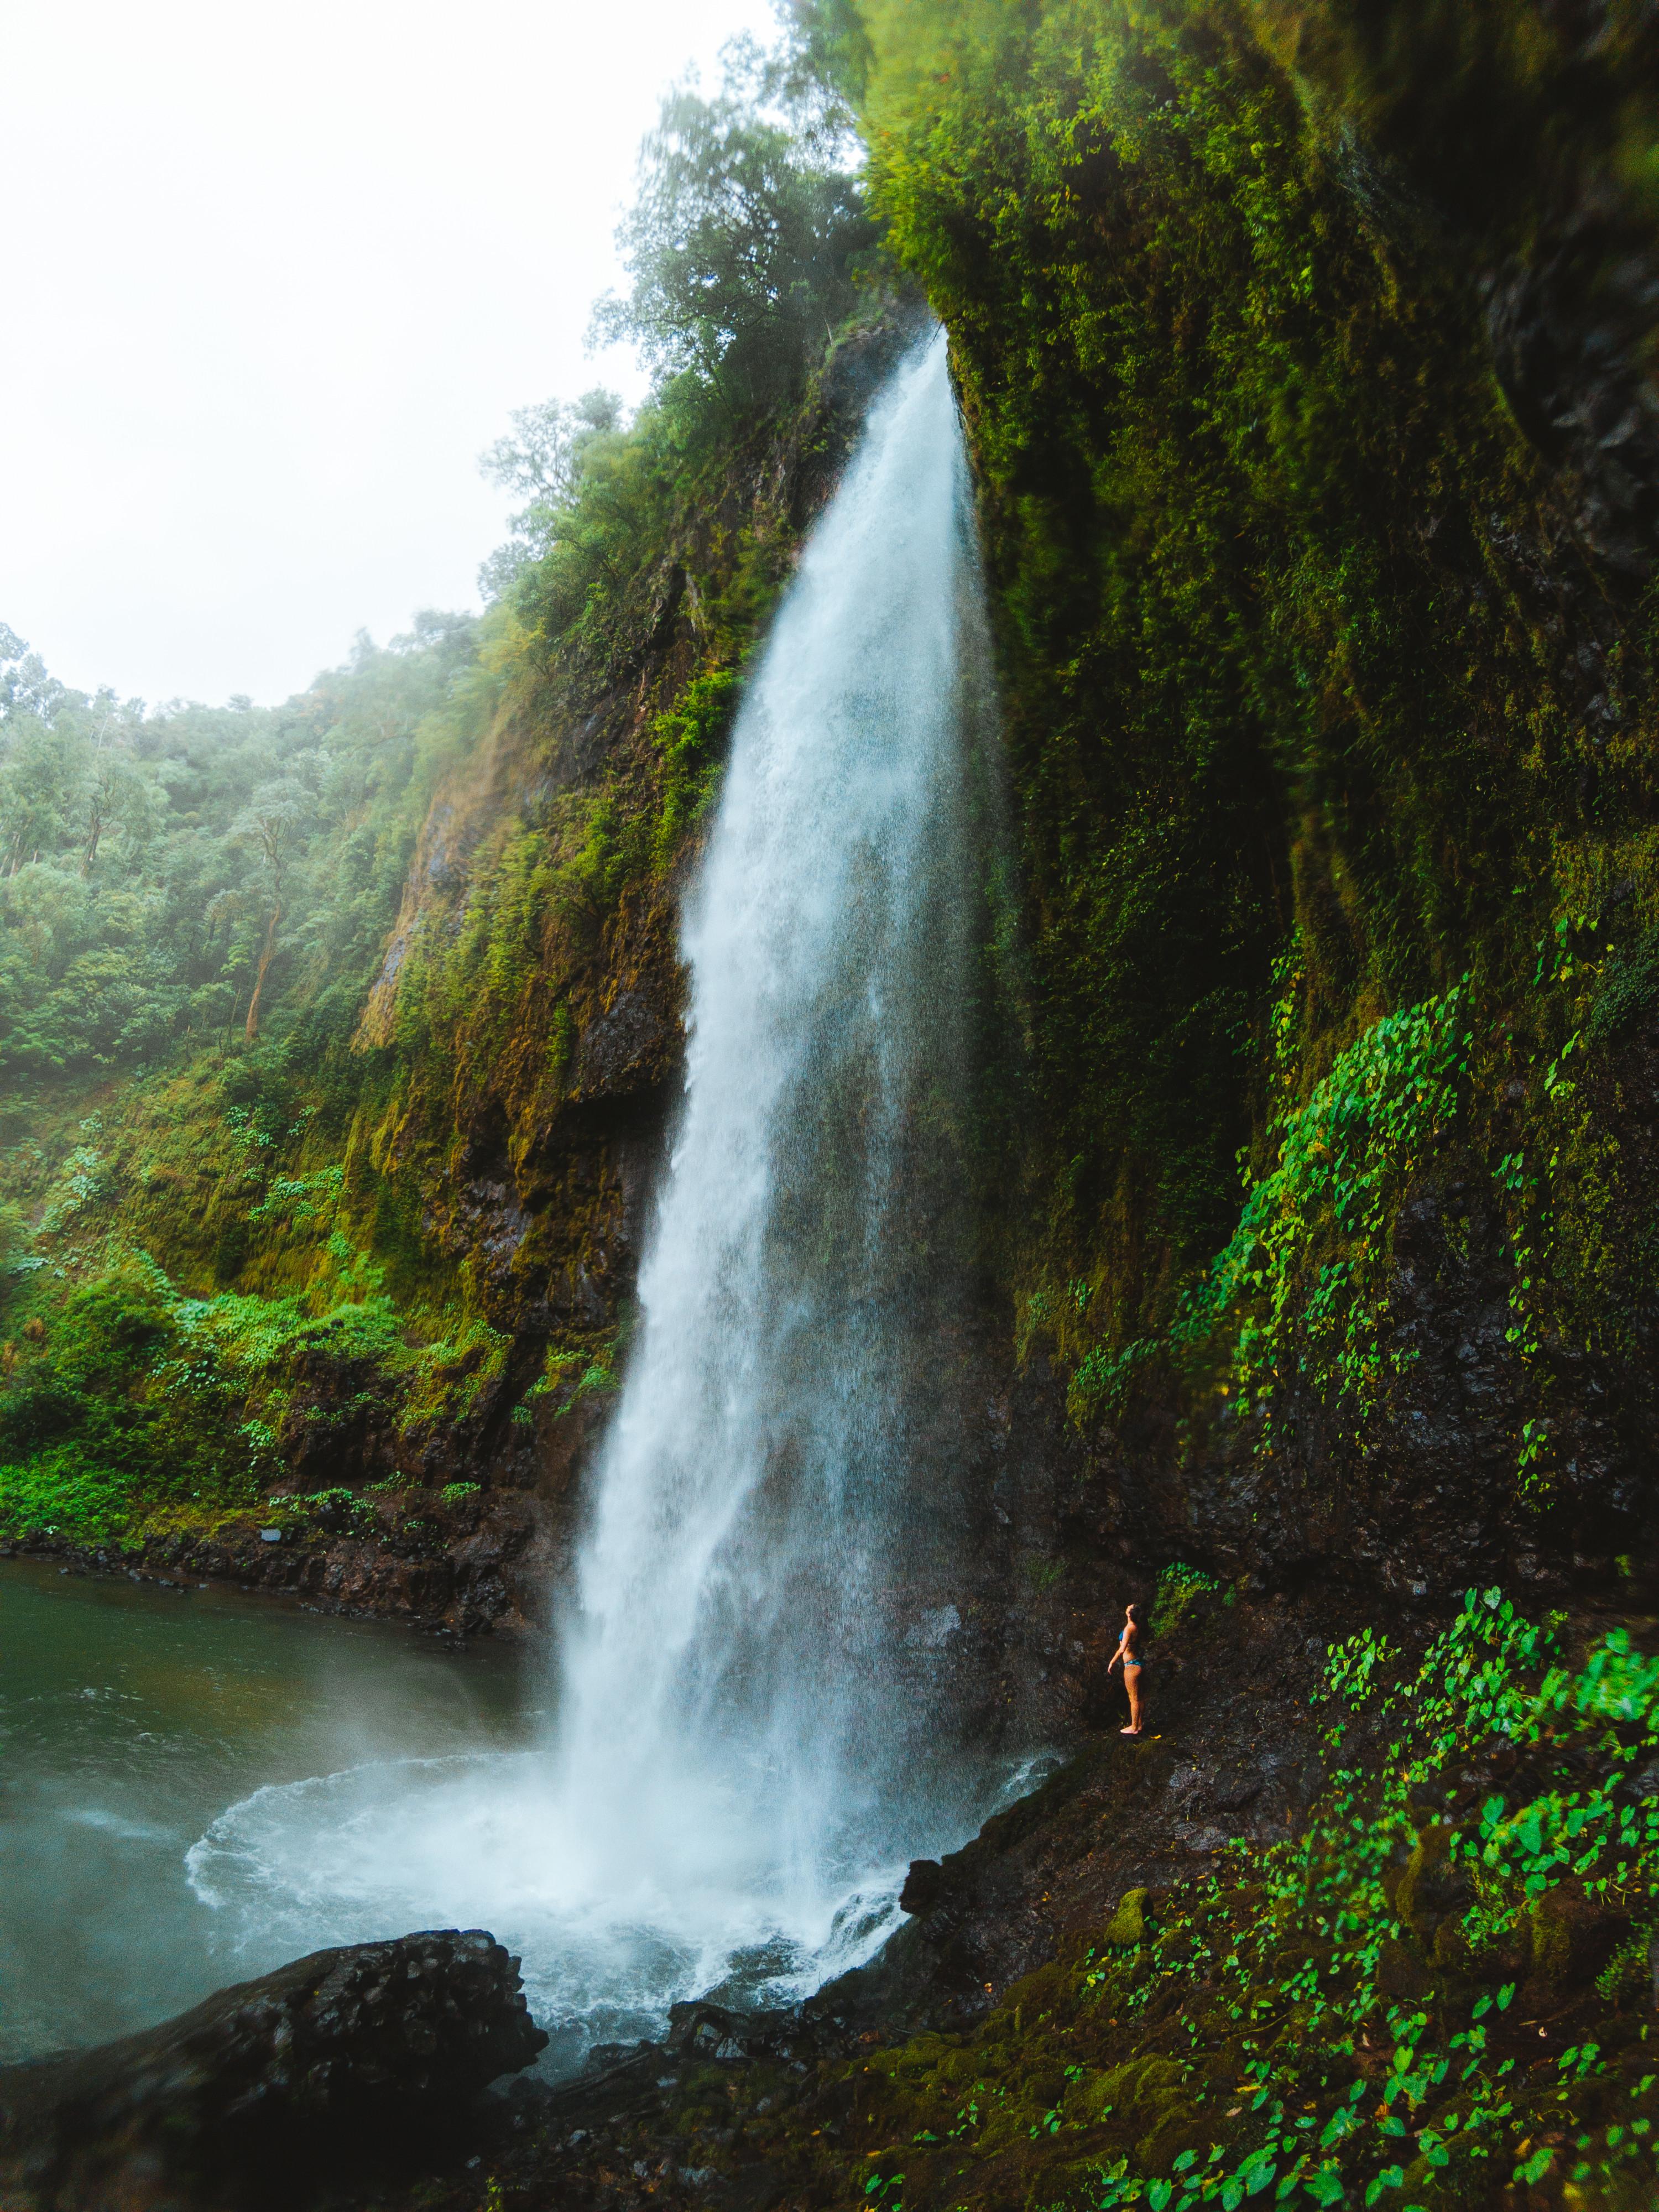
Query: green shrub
{"points": [[1179, 1588], [61, 1494]]}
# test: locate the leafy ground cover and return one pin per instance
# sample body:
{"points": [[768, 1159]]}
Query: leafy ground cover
{"points": [[1516, 1089], [1439, 1994]]}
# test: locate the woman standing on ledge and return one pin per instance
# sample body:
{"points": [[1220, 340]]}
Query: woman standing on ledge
{"points": [[1128, 1651]]}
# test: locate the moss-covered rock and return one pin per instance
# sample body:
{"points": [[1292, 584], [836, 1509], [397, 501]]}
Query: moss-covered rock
{"points": [[1127, 1925]]}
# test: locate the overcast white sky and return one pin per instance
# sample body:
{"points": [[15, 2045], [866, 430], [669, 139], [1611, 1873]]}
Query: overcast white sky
{"points": [[274, 277]]}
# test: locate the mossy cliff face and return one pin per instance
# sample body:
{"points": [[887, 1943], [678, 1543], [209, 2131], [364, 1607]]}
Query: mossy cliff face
{"points": [[1305, 354]]}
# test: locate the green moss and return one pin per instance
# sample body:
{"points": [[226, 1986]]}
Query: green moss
{"points": [[1180, 1591], [1128, 1923], [58, 1493], [1306, 1271], [445, 1380], [691, 735]]}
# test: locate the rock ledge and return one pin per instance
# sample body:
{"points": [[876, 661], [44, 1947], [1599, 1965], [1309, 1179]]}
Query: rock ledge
{"points": [[341, 2054]]}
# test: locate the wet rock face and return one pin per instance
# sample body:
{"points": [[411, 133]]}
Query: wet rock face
{"points": [[1427, 1501], [1569, 330], [630, 1045], [348, 2053], [1231, 1756]]}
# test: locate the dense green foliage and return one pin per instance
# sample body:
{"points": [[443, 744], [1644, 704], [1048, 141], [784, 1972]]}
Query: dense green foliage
{"points": [[543, 461], [159, 865], [198, 900], [746, 241]]}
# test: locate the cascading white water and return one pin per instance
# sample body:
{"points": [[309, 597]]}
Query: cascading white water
{"points": [[744, 1757], [732, 1595]]}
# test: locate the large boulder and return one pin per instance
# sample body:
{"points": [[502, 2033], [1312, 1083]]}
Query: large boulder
{"points": [[348, 2054]]}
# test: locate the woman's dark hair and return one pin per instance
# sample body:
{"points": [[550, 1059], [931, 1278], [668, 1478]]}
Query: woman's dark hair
{"points": [[1133, 1612]]}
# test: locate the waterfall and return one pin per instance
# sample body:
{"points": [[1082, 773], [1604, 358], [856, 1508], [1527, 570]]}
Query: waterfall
{"points": [[749, 1742], [724, 1673]]}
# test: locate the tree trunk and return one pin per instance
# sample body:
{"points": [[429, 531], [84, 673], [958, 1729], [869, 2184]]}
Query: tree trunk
{"points": [[252, 1029]]}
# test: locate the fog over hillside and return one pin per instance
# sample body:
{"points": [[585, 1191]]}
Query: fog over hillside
{"points": [[276, 280]]}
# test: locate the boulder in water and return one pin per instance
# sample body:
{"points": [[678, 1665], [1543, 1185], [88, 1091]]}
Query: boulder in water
{"points": [[347, 2053]]}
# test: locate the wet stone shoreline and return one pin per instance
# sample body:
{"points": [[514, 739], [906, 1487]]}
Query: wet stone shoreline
{"points": [[473, 1568]]}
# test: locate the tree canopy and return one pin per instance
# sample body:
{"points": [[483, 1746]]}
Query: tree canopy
{"points": [[156, 866], [748, 237]]}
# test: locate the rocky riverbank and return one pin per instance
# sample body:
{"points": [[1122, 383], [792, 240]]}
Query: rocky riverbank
{"points": [[473, 1566], [1299, 1903]]}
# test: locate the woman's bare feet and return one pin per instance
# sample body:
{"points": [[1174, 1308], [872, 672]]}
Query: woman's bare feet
{"points": [[1129, 1731]]}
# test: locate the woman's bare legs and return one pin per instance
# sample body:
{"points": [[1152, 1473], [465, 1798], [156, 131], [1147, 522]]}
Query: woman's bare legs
{"points": [[1131, 1684]]}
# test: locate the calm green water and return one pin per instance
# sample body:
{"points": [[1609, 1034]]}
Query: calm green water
{"points": [[130, 1719]]}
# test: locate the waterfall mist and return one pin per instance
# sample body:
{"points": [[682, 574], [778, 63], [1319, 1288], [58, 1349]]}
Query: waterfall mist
{"points": [[749, 1744]]}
